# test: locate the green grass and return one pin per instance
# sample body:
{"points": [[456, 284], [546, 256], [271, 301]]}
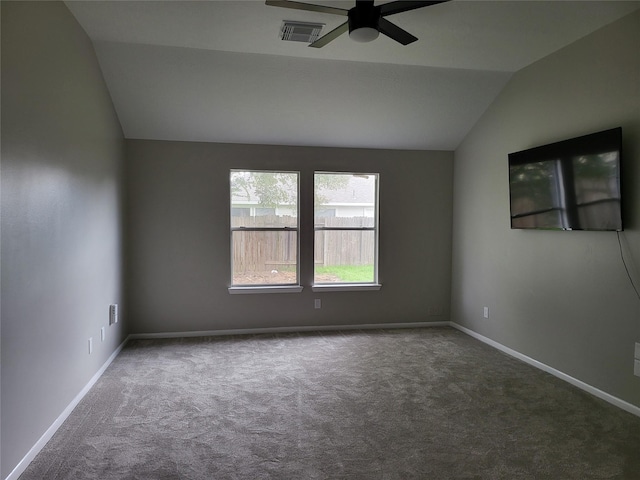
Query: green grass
{"points": [[348, 273]]}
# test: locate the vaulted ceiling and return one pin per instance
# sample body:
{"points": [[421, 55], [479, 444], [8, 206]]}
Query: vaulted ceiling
{"points": [[217, 71]]}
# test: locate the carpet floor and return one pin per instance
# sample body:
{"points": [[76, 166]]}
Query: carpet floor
{"points": [[429, 403]]}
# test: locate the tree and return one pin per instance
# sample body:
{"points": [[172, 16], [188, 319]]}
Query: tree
{"points": [[327, 182], [273, 189]]}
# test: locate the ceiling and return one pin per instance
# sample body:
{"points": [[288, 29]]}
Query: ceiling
{"points": [[216, 71]]}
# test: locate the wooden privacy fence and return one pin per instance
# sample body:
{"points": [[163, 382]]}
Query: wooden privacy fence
{"points": [[344, 248], [259, 251]]}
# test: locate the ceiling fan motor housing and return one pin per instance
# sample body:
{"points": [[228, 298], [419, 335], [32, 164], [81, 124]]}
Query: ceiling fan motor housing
{"points": [[363, 23]]}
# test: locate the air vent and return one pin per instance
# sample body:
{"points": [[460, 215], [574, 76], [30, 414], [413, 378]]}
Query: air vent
{"points": [[300, 31]]}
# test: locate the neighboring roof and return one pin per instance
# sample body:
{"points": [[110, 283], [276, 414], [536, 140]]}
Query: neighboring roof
{"points": [[358, 191]]}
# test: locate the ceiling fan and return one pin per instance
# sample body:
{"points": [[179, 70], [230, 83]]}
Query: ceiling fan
{"points": [[364, 21]]}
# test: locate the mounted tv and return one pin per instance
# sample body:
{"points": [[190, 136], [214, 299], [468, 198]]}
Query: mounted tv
{"points": [[569, 185]]}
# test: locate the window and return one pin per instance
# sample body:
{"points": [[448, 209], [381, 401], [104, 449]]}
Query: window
{"points": [[264, 228], [346, 240], [265, 231]]}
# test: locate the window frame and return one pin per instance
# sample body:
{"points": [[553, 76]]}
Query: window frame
{"points": [[264, 287], [351, 286]]}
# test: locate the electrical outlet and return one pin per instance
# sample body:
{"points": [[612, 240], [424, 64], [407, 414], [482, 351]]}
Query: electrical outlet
{"points": [[434, 311], [102, 334], [485, 312], [90, 345], [317, 303], [113, 313]]}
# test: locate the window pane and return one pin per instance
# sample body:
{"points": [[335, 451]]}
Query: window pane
{"points": [[264, 199], [344, 256], [348, 199], [264, 258], [345, 200]]}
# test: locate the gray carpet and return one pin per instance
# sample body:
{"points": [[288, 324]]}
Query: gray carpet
{"points": [[386, 404]]}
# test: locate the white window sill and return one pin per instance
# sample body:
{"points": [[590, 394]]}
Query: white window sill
{"points": [[346, 287], [265, 289]]}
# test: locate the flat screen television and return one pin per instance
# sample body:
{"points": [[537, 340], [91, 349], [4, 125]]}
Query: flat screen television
{"points": [[569, 185]]}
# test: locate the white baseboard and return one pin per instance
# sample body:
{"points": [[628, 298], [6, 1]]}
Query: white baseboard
{"points": [[28, 458], [556, 373], [254, 331], [42, 441], [31, 454]]}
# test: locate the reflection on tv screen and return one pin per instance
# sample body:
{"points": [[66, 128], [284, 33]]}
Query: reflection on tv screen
{"points": [[570, 185]]}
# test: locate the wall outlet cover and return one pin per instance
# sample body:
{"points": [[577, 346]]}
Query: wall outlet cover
{"points": [[113, 314]]}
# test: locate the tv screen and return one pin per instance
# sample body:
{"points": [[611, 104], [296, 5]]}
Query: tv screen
{"points": [[568, 185]]}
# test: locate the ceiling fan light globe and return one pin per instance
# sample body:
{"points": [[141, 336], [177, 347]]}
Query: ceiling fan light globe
{"points": [[364, 34]]}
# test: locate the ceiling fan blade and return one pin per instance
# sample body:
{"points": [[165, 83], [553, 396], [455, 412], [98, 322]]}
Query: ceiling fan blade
{"points": [[332, 35], [307, 6], [395, 32], [401, 6]]}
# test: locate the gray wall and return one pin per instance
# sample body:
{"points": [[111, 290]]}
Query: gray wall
{"points": [[178, 238], [62, 149], [562, 298]]}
